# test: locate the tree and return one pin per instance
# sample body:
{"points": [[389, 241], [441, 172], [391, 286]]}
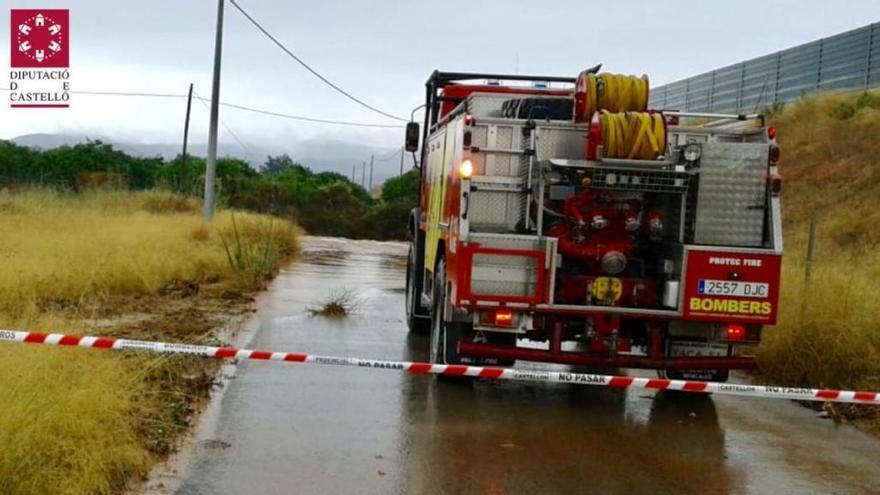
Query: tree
{"points": [[283, 163], [405, 187], [16, 163]]}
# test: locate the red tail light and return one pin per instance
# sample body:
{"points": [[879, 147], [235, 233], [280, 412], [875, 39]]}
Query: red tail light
{"points": [[774, 154], [468, 119], [776, 185], [735, 332], [771, 132], [503, 318]]}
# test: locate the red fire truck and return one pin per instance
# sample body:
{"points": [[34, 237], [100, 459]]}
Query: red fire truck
{"points": [[563, 221]]}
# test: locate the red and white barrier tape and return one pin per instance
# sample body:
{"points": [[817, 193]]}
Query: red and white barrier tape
{"points": [[449, 370]]}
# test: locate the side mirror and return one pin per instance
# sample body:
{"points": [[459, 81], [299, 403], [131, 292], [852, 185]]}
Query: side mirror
{"points": [[412, 136]]}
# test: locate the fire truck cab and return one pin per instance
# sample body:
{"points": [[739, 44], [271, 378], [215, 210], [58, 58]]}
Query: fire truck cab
{"points": [[562, 221]]}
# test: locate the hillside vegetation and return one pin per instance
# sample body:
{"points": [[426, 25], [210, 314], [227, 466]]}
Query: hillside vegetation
{"points": [[137, 265], [829, 331]]}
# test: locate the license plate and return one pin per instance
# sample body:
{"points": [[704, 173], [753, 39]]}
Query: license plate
{"points": [[733, 288], [697, 349]]}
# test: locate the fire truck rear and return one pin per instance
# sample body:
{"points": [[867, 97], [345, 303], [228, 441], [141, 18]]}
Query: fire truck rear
{"points": [[563, 221]]}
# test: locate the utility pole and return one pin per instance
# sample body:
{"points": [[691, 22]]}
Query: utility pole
{"points": [[369, 191], [402, 152], [211, 165], [189, 101], [364, 174], [353, 171]]}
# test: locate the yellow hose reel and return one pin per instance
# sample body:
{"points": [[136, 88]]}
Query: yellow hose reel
{"points": [[632, 135], [615, 105]]}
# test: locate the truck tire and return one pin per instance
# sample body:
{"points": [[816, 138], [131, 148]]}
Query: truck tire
{"points": [[444, 335], [416, 317]]}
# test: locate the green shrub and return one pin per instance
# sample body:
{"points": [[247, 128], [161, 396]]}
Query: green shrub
{"points": [[255, 247]]}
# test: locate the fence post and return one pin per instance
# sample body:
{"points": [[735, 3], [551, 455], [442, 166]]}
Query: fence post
{"points": [[808, 266], [811, 245]]}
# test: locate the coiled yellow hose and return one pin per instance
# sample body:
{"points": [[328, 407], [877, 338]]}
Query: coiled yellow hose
{"points": [[612, 92], [633, 135]]}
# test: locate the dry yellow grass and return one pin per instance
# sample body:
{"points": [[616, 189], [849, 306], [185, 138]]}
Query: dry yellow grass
{"points": [[59, 248], [72, 420], [64, 424], [829, 330]]}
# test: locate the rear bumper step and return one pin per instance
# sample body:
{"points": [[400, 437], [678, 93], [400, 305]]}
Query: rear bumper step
{"points": [[475, 350]]}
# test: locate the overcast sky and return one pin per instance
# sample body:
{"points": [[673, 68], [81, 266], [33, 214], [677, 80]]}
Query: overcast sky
{"points": [[381, 51]]}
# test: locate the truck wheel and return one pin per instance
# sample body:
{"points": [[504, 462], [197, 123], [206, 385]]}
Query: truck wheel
{"points": [[444, 335], [416, 317]]}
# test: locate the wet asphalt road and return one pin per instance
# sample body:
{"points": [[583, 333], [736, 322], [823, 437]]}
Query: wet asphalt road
{"points": [[286, 428]]}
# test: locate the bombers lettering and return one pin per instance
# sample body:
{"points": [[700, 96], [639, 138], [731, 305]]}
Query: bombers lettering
{"points": [[731, 306]]}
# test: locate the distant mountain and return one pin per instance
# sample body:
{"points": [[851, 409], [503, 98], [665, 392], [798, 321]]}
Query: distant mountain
{"points": [[49, 141], [318, 154]]}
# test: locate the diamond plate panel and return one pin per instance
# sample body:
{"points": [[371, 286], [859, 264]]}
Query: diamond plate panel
{"points": [[731, 196], [503, 164], [482, 105], [495, 207], [498, 137], [561, 142], [478, 135], [504, 140]]}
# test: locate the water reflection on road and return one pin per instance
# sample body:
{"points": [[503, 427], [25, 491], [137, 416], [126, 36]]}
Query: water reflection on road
{"points": [[300, 429]]}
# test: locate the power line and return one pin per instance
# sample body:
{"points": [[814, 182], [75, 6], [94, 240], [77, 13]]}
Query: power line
{"points": [[244, 147], [392, 155], [307, 67], [310, 119], [115, 93], [236, 106]]}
